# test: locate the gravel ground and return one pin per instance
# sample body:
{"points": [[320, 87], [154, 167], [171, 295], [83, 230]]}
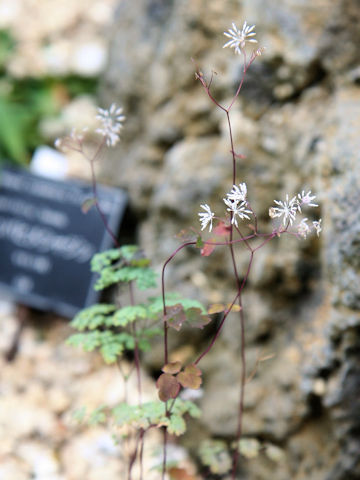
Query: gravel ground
{"points": [[39, 391]]}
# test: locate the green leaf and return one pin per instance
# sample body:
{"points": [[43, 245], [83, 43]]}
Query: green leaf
{"points": [[144, 277], [214, 454], [88, 341], [177, 425], [13, 123], [129, 251], [92, 317], [98, 416], [79, 414], [111, 345], [104, 259], [129, 314], [199, 242], [110, 351], [249, 447], [154, 413]]}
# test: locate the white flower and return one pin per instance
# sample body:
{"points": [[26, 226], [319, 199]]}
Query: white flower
{"points": [[303, 228], [317, 226], [238, 193], [72, 141], [306, 199], [286, 209], [206, 217], [260, 51], [240, 37], [237, 208], [111, 120]]}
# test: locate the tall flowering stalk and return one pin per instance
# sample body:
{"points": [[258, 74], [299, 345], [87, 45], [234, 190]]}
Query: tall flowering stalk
{"points": [[285, 216]]}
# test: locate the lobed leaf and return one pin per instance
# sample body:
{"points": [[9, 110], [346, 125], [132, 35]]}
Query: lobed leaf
{"points": [[92, 317], [168, 387], [249, 447], [111, 345], [177, 425], [196, 319], [190, 377], [129, 314], [154, 413], [219, 307], [104, 259], [172, 367], [98, 416], [175, 316], [144, 277], [214, 454], [194, 311]]}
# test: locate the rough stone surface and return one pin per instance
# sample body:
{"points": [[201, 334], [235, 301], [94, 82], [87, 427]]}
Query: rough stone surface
{"points": [[297, 122]]}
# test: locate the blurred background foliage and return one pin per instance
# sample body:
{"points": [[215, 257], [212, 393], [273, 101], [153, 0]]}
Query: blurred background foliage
{"points": [[25, 101]]}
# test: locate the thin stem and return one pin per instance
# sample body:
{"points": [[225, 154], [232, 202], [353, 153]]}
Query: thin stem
{"points": [[232, 147], [138, 372], [166, 353], [245, 69], [164, 454], [136, 349], [97, 205], [242, 394], [141, 457], [135, 452], [217, 333]]}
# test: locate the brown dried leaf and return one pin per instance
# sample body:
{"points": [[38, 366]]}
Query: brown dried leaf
{"points": [[175, 316], [172, 367], [193, 370], [216, 308], [168, 387], [196, 318], [190, 377], [189, 380], [234, 308]]}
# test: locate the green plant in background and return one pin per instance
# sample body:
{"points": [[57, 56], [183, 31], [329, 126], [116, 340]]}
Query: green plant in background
{"points": [[115, 330], [25, 102]]}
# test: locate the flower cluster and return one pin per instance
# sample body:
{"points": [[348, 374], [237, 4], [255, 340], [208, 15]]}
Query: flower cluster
{"points": [[240, 37], [111, 120], [111, 124], [72, 141], [236, 203], [288, 210], [239, 208]]}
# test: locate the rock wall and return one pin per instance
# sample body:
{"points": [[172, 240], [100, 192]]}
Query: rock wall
{"points": [[297, 121]]}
